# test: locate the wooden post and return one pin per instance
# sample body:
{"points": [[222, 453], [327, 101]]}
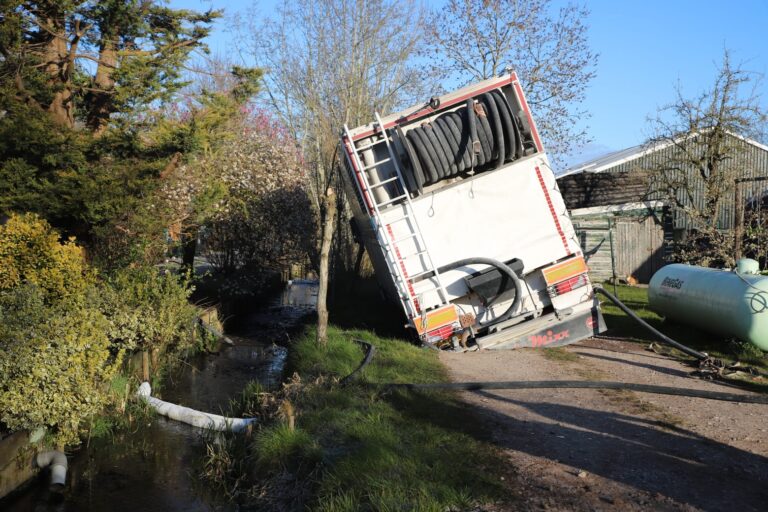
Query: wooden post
{"points": [[325, 250], [738, 221], [145, 365]]}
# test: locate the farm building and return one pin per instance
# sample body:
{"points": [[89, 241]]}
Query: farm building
{"points": [[622, 210]]}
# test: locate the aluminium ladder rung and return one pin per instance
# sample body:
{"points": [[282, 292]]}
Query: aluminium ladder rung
{"points": [[418, 253], [381, 183], [374, 164], [411, 235], [395, 199], [420, 274], [363, 148]]}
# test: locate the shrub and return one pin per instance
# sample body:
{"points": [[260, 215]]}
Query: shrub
{"points": [[30, 252], [147, 310], [54, 363]]}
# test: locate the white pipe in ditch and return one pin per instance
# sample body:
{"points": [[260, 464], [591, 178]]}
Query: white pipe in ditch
{"points": [[58, 463], [191, 416]]}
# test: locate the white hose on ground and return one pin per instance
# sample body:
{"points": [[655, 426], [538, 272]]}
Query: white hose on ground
{"points": [[191, 416], [58, 463]]}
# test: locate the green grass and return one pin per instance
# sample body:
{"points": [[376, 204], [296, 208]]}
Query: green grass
{"points": [[636, 298], [357, 448]]}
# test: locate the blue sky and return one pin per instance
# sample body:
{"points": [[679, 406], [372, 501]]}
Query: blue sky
{"points": [[645, 48]]}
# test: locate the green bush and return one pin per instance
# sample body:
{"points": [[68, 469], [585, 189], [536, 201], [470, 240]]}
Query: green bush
{"points": [[63, 333], [147, 310], [55, 361]]}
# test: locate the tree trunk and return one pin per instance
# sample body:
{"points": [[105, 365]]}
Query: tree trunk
{"points": [[188, 248], [56, 58], [325, 250], [100, 99]]}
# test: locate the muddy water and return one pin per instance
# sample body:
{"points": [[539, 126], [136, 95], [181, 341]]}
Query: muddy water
{"points": [[156, 466]]}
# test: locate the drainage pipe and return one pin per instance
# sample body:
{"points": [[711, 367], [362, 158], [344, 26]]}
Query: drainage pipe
{"points": [[57, 461], [191, 416]]}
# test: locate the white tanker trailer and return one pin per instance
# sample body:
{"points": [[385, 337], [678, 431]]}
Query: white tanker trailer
{"points": [[462, 218]]}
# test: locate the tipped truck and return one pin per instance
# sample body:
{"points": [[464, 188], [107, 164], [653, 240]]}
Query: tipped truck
{"points": [[462, 218]]}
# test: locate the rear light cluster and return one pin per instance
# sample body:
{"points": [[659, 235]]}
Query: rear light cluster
{"points": [[568, 285], [440, 334]]}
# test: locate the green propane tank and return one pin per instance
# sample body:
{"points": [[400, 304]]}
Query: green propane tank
{"points": [[723, 302]]}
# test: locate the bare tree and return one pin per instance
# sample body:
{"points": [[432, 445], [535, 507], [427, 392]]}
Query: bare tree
{"points": [[708, 152], [331, 62], [477, 39]]}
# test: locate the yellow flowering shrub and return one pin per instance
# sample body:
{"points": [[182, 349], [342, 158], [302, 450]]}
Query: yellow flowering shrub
{"points": [[30, 252]]}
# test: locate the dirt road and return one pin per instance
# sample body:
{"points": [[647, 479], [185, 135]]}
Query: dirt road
{"points": [[616, 450]]}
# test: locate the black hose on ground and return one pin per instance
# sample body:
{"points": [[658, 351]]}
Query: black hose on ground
{"points": [[369, 351], [502, 267], [554, 384], [582, 384], [666, 339]]}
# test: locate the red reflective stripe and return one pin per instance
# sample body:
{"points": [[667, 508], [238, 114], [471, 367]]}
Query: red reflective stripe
{"points": [[428, 110], [552, 209], [409, 285], [527, 111]]}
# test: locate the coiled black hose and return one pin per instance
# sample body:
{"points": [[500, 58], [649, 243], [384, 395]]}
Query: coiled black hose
{"points": [[476, 137]]}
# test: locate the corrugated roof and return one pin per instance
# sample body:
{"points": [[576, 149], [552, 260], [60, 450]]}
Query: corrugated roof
{"points": [[611, 159], [625, 155]]}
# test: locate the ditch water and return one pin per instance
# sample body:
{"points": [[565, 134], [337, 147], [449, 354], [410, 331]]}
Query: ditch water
{"points": [[156, 466]]}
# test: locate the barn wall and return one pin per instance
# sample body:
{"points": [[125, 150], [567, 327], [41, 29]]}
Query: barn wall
{"points": [[632, 182]]}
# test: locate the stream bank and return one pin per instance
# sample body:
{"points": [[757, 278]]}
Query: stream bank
{"points": [[155, 467]]}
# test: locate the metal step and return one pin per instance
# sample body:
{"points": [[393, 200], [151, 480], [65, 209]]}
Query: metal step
{"points": [[381, 183], [420, 274], [395, 199], [368, 146], [374, 164], [412, 235], [418, 253]]}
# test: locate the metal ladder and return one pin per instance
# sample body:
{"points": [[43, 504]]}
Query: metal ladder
{"points": [[384, 234]]}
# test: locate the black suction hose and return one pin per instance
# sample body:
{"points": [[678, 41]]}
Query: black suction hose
{"points": [[587, 384], [554, 384], [504, 269], [476, 137], [666, 339], [498, 129], [369, 351], [472, 122]]}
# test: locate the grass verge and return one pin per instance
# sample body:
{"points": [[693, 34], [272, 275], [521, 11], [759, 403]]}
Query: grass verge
{"points": [[360, 448]]}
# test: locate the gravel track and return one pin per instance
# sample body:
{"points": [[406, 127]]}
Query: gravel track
{"points": [[617, 450]]}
